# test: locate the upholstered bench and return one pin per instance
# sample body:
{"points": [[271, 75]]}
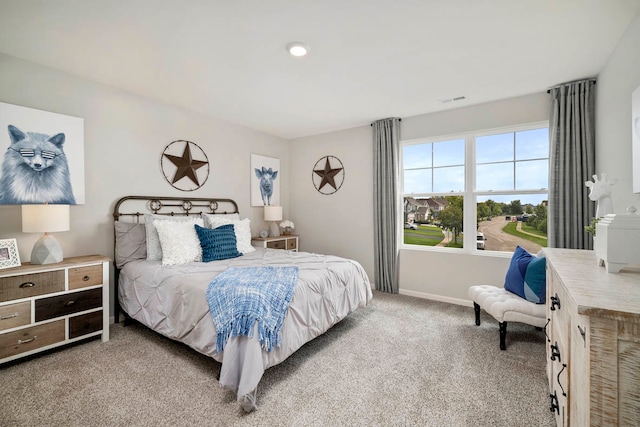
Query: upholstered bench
{"points": [[505, 307]]}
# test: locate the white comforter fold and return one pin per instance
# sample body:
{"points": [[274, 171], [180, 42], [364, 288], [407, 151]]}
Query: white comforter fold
{"points": [[172, 301]]}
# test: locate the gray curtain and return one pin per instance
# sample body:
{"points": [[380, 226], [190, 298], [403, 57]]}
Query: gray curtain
{"points": [[386, 136], [571, 163]]}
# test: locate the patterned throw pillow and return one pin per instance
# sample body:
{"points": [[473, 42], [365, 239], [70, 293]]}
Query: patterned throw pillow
{"points": [[217, 243], [154, 249], [179, 241], [526, 276]]}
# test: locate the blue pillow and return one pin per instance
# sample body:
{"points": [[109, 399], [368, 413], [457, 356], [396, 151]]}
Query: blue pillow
{"points": [[526, 276], [535, 281], [217, 243]]}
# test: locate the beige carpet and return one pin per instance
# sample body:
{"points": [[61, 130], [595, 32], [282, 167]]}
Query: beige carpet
{"points": [[401, 361]]}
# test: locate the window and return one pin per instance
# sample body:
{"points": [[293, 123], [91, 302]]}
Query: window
{"points": [[494, 183]]}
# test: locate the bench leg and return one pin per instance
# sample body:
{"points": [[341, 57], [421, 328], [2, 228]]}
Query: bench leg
{"points": [[476, 308], [503, 335]]}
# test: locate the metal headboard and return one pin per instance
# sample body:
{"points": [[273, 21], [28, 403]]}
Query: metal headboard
{"points": [[172, 206]]}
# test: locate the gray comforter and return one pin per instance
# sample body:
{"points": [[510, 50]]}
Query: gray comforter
{"points": [[171, 300]]}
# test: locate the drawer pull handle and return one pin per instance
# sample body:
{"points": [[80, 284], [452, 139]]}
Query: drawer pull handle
{"points": [[11, 316], [35, 337], [27, 285], [564, 365], [555, 301], [70, 302], [545, 329], [583, 332], [85, 278]]}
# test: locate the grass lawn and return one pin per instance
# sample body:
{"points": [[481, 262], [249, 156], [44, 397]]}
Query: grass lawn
{"points": [[510, 228], [529, 229], [425, 235]]}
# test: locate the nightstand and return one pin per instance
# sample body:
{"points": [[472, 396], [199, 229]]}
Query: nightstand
{"points": [[288, 242], [46, 306]]}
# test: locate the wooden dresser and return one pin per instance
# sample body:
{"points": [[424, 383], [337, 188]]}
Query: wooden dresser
{"points": [[45, 306], [593, 356]]}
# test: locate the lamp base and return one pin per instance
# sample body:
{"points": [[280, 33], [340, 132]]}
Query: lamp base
{"points": [[47, 250], [274, 230]]}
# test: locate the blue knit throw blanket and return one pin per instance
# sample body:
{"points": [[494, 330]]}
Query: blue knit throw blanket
{"points": [[240, 297]]}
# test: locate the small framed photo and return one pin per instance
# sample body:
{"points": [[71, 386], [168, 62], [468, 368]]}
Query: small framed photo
{"points": [[9, 256]]}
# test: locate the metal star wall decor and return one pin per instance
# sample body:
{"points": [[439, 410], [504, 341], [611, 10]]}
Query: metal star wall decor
{"points": [[328, 175], [179, 161]]}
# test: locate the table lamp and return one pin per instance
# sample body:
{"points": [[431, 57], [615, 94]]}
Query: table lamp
{"points": [[274, 214], [45, 219]]}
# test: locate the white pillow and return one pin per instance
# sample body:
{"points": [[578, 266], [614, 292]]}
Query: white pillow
{"points": [[228, 216], [154, 249], [179, 241], [242, 228]]}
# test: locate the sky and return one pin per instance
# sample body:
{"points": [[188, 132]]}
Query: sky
{"points": [[514, 161]]}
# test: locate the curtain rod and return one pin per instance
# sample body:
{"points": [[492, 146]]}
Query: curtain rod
{"points": [[383, 119], [574, 81]]}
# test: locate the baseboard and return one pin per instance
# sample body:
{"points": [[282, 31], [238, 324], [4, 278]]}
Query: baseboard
{"points": [[435, 297]]}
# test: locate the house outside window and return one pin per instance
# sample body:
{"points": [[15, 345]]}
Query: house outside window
{"points": [[493, 183]]}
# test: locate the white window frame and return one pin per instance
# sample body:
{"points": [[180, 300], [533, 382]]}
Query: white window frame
{"points": [[470, 195]]}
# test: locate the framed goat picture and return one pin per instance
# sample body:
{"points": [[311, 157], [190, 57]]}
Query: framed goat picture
{"points": [[42, 157], [265, 181], [635, 138]]}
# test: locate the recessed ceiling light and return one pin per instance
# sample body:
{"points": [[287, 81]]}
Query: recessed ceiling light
{"points": [[298, 49]]}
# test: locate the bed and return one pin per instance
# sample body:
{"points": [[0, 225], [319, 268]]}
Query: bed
{"points": [[172, 299]]}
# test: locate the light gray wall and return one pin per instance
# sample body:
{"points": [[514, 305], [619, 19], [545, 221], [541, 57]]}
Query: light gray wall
{"points": [[446, 276], [619, 78], [342, 223], [124, 137], [125, 134], [339, 223], [442, 275]]}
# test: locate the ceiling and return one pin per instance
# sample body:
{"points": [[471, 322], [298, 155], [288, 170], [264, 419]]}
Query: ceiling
{"points": [[369, 59]]}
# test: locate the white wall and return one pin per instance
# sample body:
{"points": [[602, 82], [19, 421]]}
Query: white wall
{"points": [[124, 138], [125, 134], [619, 78], [339, 223], [343, 223], [444, 275]]}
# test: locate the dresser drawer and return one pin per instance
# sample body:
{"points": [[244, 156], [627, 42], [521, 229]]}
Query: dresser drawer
{"points": [[28, 339], [29, 285], [277, 244], [61, 305], [85, 324], [14, 315], [291, 244], [81, 277]]}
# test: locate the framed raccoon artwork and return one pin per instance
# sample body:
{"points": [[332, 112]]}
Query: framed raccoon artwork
{"points": [[42, 157]]}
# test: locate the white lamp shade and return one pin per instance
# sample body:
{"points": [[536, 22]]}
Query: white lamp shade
{"points": [[273, 213], [45, 218]]}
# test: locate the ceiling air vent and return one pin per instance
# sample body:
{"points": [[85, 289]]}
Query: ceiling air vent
{"points": [[457, 98]]}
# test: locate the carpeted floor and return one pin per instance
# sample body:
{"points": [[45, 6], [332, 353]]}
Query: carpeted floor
{"points": [[401, 361]]}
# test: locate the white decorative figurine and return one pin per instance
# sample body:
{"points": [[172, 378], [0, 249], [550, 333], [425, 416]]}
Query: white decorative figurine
{"points": [[618, 242], [601, 192]]}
